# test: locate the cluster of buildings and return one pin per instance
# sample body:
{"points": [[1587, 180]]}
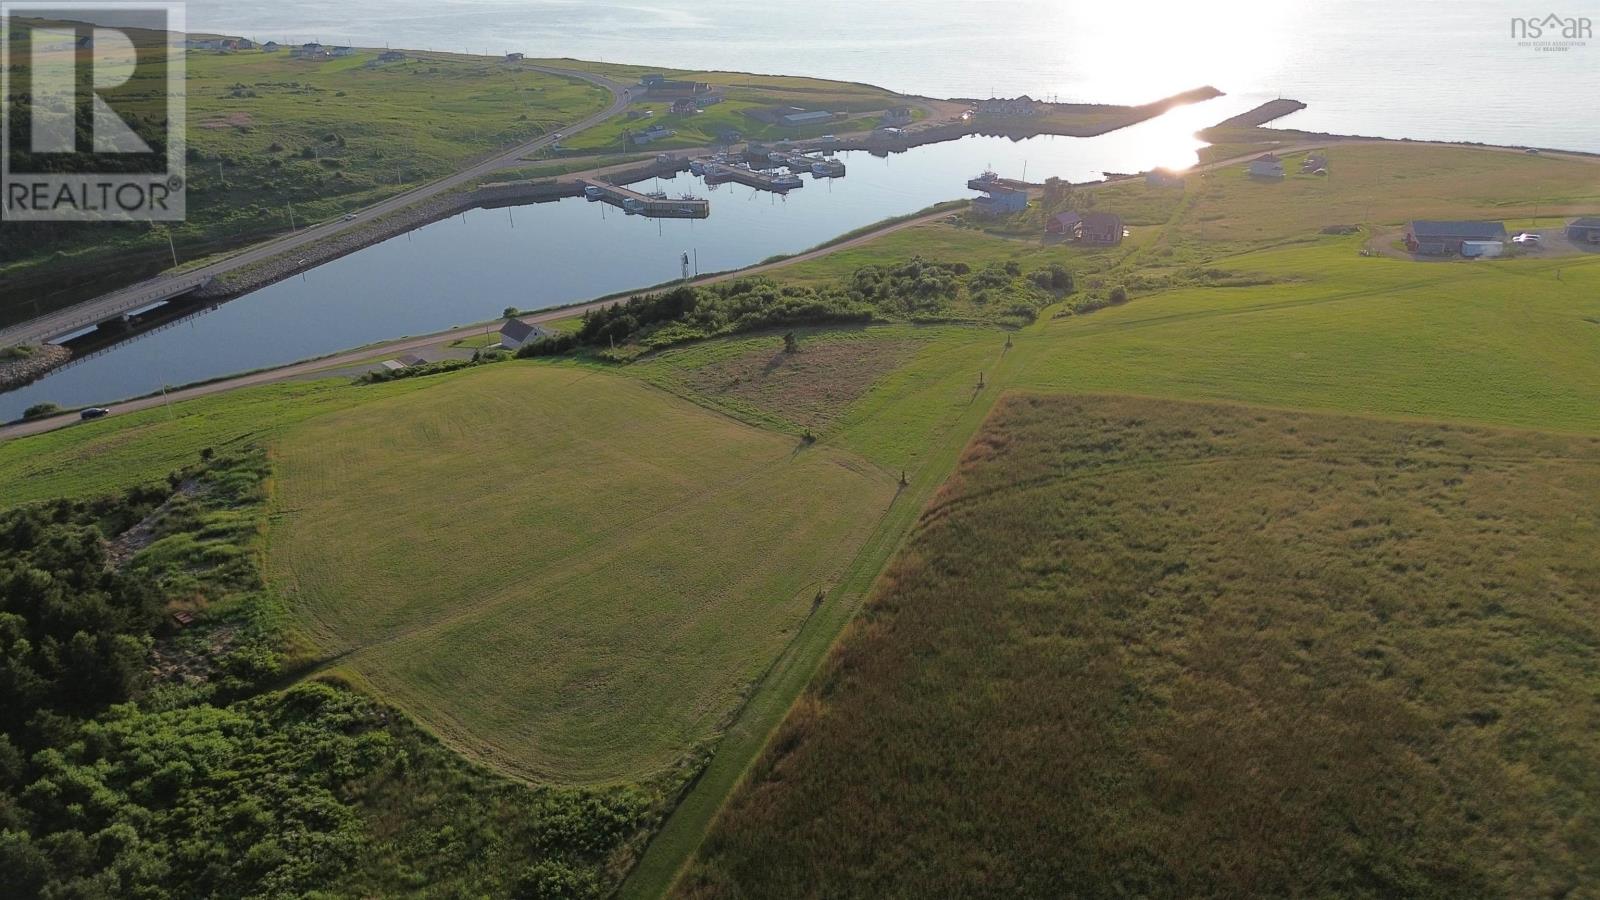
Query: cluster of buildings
{"points": [[315, 51], [1483, 239], [662, 86], [1099, 228], [218, 43], [1019, 108]]}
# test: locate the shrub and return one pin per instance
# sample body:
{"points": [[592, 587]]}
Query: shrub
{"points": [[39, 411], [1119, 295]]}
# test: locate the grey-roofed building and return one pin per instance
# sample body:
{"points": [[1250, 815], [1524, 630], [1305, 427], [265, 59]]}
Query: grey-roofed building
{"points": [[1101, 228], [1435, 238], [1585, 230], [516, 333]]}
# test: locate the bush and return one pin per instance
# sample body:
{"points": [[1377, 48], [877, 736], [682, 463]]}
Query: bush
{"points": [[1119, 295], [39, 411]]}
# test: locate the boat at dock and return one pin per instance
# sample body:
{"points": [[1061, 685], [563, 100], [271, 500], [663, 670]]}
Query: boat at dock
{"points": [[827, 168], [594, 193]]}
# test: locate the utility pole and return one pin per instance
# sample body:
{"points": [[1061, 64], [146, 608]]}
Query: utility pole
{"points": [[292, 227]]}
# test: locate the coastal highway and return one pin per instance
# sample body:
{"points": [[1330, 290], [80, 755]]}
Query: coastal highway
{"points": [[106, 306]]}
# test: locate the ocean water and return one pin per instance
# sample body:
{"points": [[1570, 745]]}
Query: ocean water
{"points": [[1440, 69]]}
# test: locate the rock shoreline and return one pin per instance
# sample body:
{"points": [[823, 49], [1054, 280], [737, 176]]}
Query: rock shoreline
{"points": [[16, 373]]}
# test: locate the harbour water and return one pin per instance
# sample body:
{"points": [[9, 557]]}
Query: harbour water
{"points": [[469, 268]]}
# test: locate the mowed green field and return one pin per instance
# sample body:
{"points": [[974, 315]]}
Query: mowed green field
{"points": [[1150, 648], [1516, 342], [568, 575]]}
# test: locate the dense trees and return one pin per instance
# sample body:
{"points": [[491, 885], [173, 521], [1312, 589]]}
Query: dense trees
{"points": [[138, 763], [916, 290]]}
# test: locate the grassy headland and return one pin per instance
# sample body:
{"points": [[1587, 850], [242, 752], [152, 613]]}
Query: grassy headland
{"points": [[1204, 651]]}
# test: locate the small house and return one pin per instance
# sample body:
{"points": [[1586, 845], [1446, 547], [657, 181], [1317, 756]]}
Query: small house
{"points": [[516, 57], [516, 334], [1585, 230], [684, 106], [271, 47], [309, 51], [1431, 238], [1101, 228], [1064, 223], [340, 52], [1001, 201], [1268, 166], [389, 56]]}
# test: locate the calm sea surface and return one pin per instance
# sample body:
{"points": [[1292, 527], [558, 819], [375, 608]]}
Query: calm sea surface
{"points": [[1439, 69]]}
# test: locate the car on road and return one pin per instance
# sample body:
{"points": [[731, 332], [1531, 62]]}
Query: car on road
{"points": [[350, 217], [557, 136], [1532, 151], [94, 412]]}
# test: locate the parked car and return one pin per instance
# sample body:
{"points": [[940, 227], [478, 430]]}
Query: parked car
{"points": [[95, 412], [1528, 238], [1532, 151], [351, 217]]}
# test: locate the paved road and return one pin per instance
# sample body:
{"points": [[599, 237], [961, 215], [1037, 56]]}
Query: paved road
{"points": [[104, 307]]}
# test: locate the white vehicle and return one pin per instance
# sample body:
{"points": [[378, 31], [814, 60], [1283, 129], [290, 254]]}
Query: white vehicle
{"points": [[1528, 238], [350, 217]]}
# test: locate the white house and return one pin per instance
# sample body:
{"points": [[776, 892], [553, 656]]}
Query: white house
{"points": [[516, 334]]}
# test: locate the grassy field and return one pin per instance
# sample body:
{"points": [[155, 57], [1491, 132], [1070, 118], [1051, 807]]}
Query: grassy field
{"points": [[266, 131], [1148, 648], [859, 105], [565, 574], [1235, 296]]}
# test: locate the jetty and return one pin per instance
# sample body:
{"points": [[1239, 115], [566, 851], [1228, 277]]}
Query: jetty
{"points": [[655, 206], [722, 173]]}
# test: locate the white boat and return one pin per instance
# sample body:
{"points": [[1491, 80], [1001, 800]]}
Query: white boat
{"points": [[697, 167], [787, 182], [828, 168]]}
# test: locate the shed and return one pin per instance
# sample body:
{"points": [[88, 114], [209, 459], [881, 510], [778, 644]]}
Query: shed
{"points": [[1269, 166], [1101, 228], [515, 57], [1438, 238], [807, 117], [1064, 223], [1482, 249], [517, 333], [1585, 230], [1001, 201]]}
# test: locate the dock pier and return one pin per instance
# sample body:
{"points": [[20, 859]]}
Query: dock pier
{"points": [[655, 206]]}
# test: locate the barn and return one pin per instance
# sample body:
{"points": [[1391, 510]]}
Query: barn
{"points": [[1431, 238], [1585, 230]]}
